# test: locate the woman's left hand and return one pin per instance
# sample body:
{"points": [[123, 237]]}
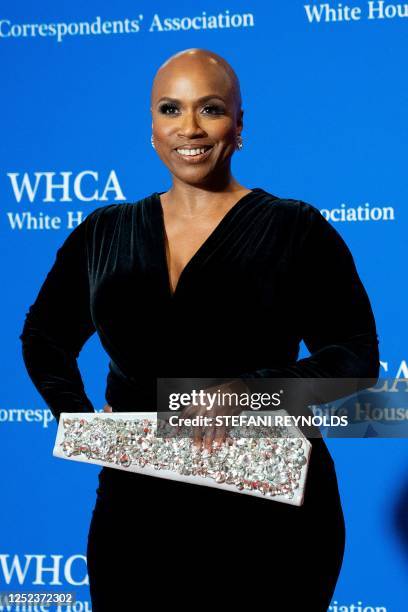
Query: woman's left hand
{"points": [[205, 436]]}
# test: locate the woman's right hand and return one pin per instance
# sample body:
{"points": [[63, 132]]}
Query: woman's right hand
{"points": [[107, 408]]}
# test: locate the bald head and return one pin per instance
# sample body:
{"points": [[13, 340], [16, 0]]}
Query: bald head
{"points": [[198, 61]]}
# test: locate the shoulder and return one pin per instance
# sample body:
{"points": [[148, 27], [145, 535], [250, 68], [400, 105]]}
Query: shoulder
{"points": [[110, 215], [292, 204], [109, 211], [301, 213], [304, 226]]}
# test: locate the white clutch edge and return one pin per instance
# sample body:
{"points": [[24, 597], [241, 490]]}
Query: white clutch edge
{"points": [[296, 500]]}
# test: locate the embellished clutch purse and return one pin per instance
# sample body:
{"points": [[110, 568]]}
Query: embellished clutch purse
{"points": [[272, 467]]}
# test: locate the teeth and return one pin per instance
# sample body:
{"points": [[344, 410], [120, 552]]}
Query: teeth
{"points": [[191, 151]]}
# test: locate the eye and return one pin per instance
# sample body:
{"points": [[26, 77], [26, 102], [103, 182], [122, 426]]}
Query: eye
{"points": [[168, 108], [214, 109]]}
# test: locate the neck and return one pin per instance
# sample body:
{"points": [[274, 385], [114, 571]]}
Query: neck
{"points": [[192, 199]]}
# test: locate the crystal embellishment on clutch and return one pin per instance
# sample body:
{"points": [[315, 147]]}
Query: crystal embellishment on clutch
{"points": [[273, 467]]}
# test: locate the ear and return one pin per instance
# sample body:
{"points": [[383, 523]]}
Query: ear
{"points": [[240, 121]]}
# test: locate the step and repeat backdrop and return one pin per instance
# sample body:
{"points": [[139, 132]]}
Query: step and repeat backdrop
{"points": [[325, 121]]}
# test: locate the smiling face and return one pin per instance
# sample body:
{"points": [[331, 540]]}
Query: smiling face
{"points": [[196, 116]]}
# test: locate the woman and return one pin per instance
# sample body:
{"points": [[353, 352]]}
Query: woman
{"points": [[208, 279]]}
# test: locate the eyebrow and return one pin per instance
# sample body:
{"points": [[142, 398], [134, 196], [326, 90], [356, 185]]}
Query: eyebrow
{"points": [[202, 99]]}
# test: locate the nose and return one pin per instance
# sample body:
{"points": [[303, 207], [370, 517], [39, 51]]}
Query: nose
{"points": [[190, 126]]}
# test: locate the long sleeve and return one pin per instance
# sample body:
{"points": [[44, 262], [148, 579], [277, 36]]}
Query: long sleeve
{"points": [[334, 315], [56, 327]]}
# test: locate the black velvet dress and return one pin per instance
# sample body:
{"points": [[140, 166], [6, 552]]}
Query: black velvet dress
{"points": [[272, 273]]}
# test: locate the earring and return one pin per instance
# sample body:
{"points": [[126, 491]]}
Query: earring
{"points": [[152, 141], [240, 144]]}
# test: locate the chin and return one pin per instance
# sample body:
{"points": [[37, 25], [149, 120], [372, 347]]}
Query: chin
{"points": [[193, 177]]}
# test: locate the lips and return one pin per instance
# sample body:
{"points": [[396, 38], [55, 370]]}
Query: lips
{"points": [[193, 154]]}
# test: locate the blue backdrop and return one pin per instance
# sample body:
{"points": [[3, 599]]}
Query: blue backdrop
{"points": [[325, 97]]}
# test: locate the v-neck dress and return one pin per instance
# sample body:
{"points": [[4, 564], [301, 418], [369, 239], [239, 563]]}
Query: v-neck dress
{"points": [[272, 273]]}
